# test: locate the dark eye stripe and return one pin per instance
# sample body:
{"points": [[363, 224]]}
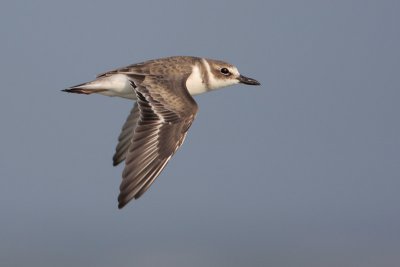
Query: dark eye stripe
{"points": [[225, 71]]}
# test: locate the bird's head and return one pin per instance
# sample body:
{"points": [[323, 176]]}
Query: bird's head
{"points": [[223, 74]]}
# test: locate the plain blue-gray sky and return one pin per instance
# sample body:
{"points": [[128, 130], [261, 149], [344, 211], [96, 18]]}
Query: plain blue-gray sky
{"points": [[301, 171]]}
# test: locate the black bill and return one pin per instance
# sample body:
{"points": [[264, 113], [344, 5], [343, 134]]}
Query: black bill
{"points": [[247, 80]]}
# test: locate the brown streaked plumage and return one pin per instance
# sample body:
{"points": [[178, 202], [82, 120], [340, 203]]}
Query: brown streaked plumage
{"points": [[164, 111], [125, 137], [164, 120]]}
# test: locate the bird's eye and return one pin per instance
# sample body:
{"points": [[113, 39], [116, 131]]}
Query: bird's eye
{"points": [[225, 71]]}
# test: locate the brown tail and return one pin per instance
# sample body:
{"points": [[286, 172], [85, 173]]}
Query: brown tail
{"points": [[83, 91], [85, 88]]}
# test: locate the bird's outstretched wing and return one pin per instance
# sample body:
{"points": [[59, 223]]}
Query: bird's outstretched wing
{"points": [[125, 137], [166, 111]]}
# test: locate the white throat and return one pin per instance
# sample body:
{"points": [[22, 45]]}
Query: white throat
{"points": [[195, 83]]}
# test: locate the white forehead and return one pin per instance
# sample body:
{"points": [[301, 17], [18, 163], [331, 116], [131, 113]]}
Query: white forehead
{"points": [[234, 70]]}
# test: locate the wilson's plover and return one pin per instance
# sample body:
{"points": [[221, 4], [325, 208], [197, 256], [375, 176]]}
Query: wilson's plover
{"points": [[162, 113]]}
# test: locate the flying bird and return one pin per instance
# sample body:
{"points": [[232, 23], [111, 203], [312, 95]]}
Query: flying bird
{"points": [[162, 113]]}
